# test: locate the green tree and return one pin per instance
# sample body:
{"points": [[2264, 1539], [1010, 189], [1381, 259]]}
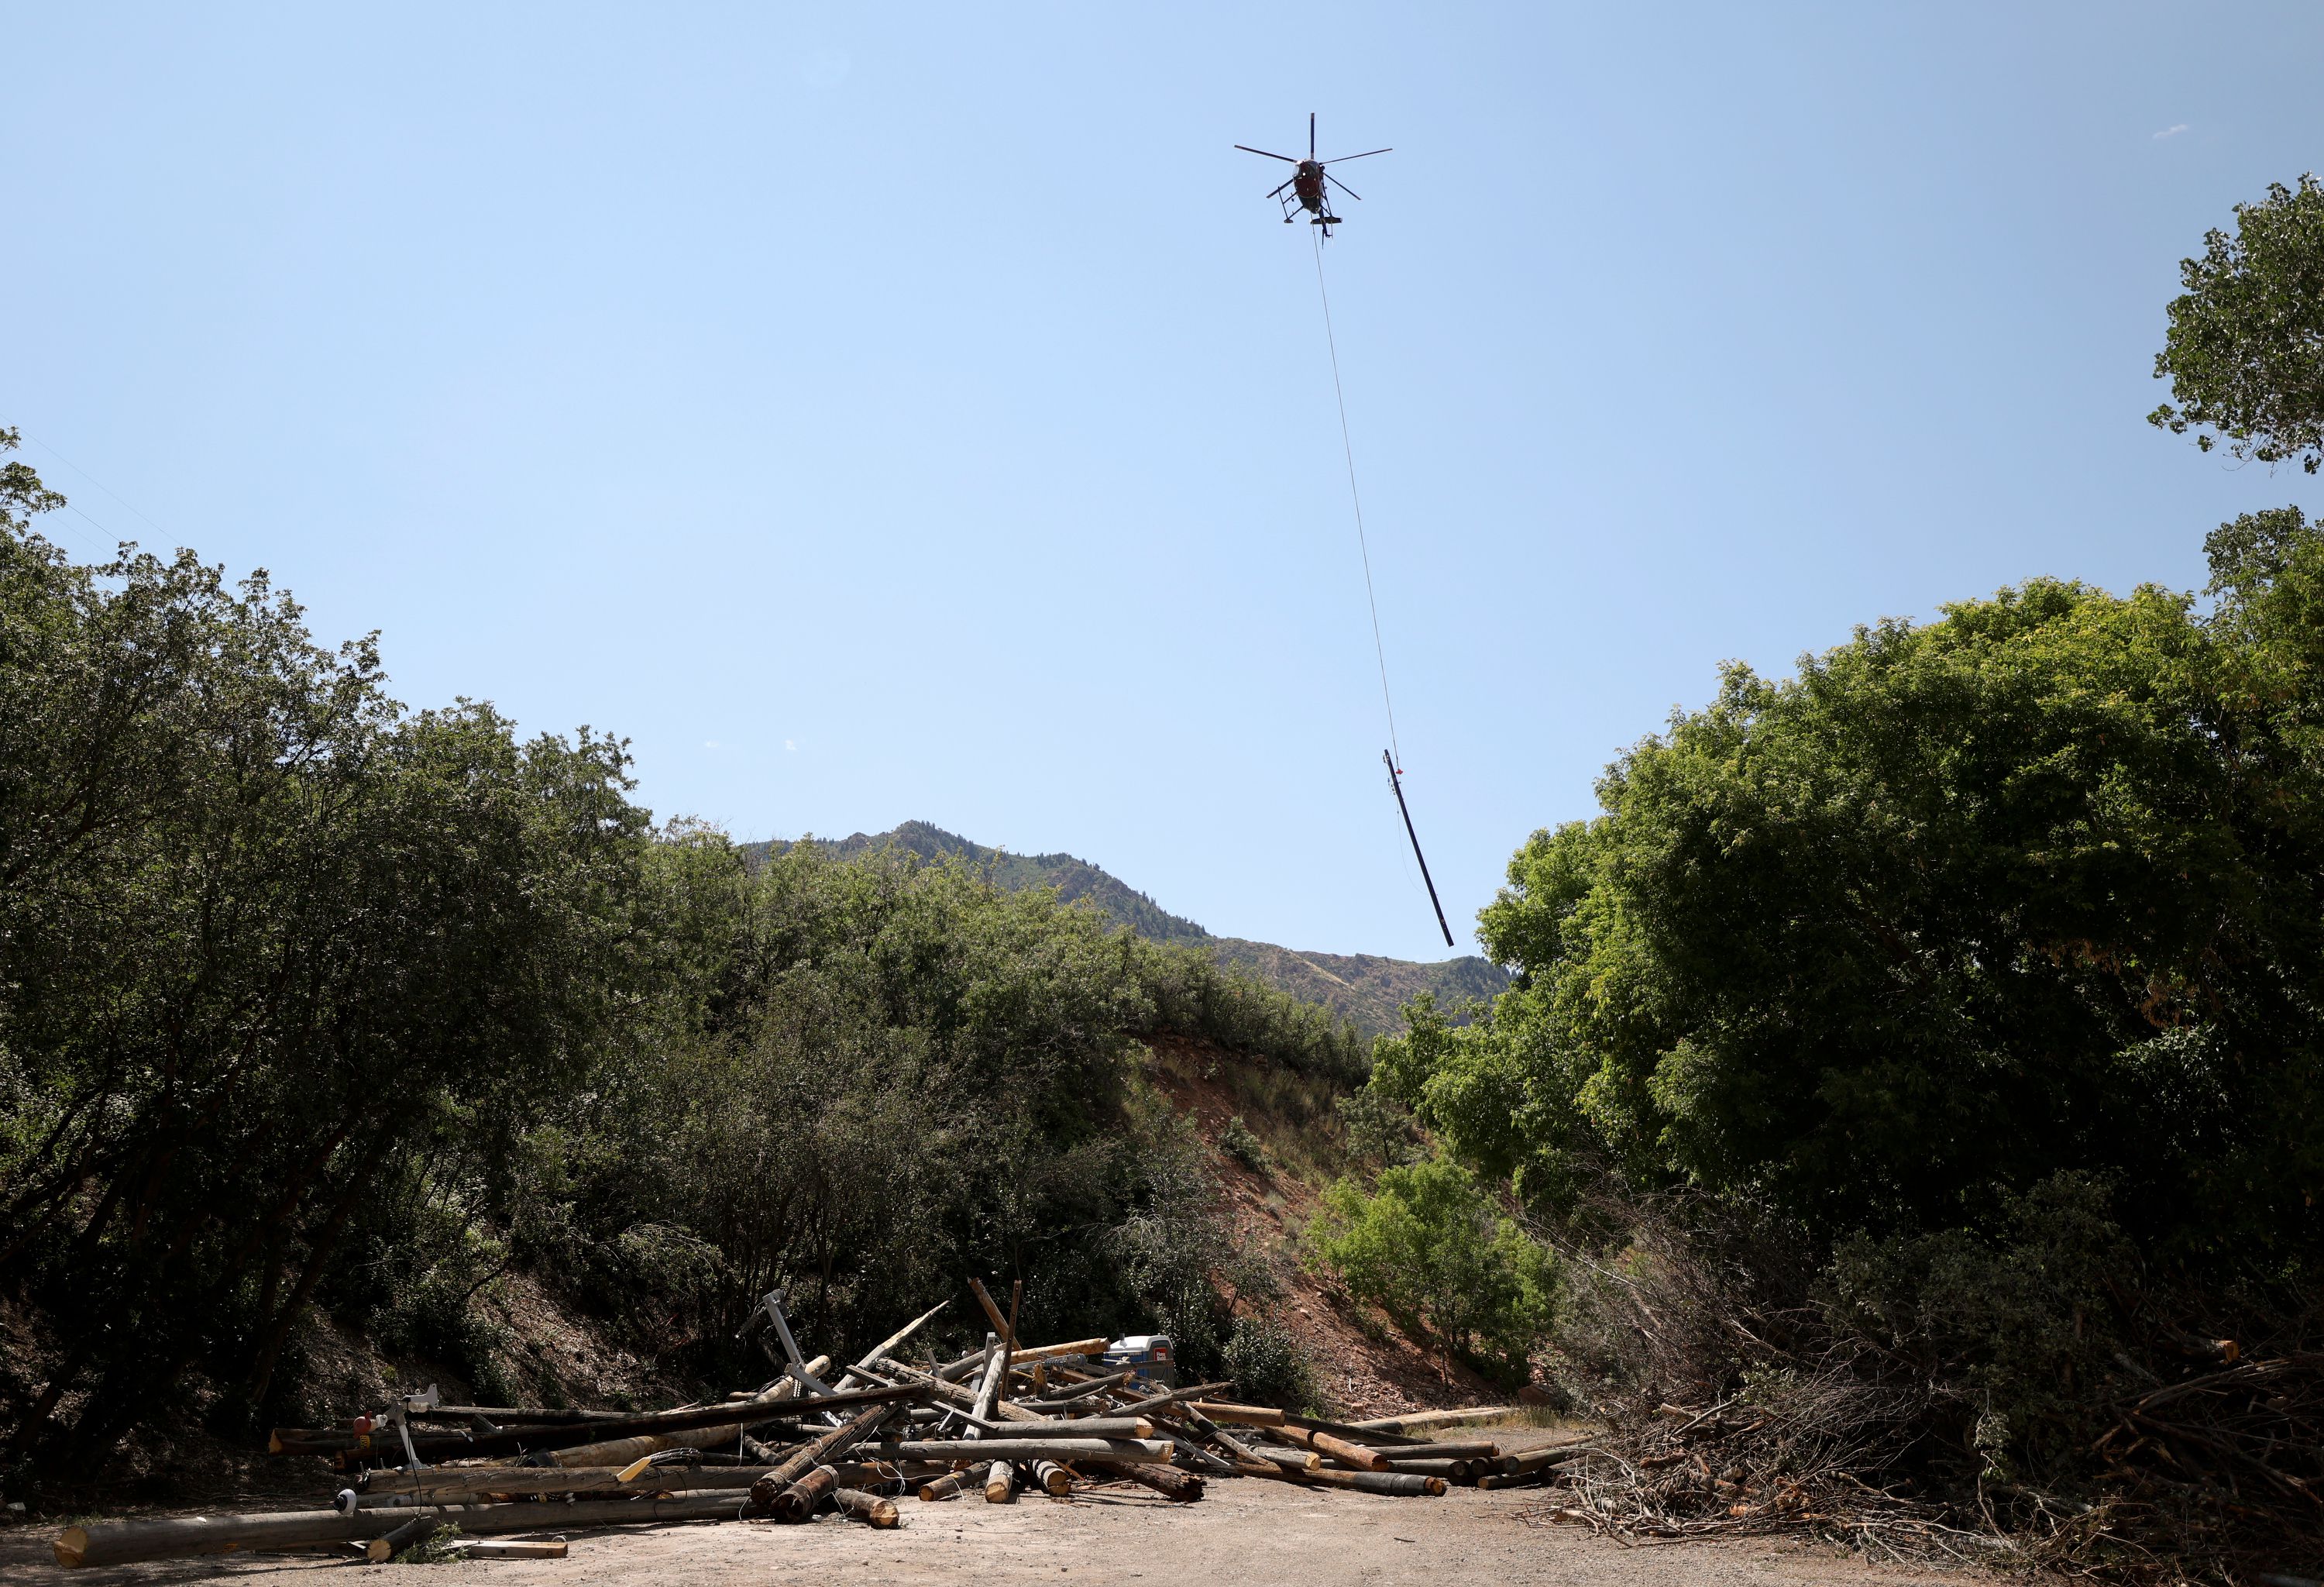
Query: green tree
{"points": [[2036, 887], [880, 1073], [21, 494], [310, 1002], [2245, 354], [1430, 1248], [265, 941]]}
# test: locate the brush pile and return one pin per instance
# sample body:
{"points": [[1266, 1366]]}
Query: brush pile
{"points": [[2217, 1477], [1052, 1419], [2186, 1460], [1816, 1457]]}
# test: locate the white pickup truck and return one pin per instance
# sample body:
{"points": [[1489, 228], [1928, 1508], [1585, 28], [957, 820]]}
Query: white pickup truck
{"points": [[1147, 1354]]}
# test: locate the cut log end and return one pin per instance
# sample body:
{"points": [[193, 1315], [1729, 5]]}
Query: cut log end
{"points": [[869, 1509], [798, 1501], [1347, 1454]]}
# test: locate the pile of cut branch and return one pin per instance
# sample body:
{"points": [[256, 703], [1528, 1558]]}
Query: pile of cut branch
{"points": [[1735, 1404], [2226, 1468], [2218, 1477], [1811, 1455]]}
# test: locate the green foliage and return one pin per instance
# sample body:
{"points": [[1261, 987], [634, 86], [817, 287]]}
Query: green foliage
{"points": [[1238, 1142], [439, 1548], [1925, 1049], [1363, 989], [1194, 995], [1268, 1365], [1379, 1129], [2019, 1325], [2036, 887], [21, 494], [882, 1074], [2244, 354], [306, 1000], [1072, 881], [266, 940], [2249, 554], [1430, 1248]]}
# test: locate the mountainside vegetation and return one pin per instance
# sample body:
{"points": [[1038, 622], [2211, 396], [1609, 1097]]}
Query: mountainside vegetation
{"points": [[318, 1015], [1074, 881], [1368, 990]]}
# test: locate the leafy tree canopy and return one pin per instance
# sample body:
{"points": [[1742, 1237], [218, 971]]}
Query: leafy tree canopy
{"points": [[2037, 887], [308, 1001], [21, 494], [2245, 351], [1430, 1248]]}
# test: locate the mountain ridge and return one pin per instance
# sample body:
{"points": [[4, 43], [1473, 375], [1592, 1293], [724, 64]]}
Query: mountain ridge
{"points": [[1367, 990]]}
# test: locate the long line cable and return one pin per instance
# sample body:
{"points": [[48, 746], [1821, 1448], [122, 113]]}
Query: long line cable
{"points": [[1348, 446], [1395, 754], [75, 509], [92, 479]]}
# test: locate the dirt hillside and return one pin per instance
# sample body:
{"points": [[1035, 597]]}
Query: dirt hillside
{"points": [[1365, 1367]]}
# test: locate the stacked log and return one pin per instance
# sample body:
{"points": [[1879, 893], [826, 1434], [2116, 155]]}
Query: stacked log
{"points": [[1005, 1418]]}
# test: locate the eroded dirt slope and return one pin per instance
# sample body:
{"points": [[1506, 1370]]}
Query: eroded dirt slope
{"points": [[1365, 1367]]}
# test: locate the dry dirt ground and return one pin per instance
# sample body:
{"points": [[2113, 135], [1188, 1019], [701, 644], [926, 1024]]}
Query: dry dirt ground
{"points": [[1261, 1534], [1243, 1532]]}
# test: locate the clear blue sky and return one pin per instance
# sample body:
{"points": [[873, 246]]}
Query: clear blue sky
{"points": [[920, 412]]}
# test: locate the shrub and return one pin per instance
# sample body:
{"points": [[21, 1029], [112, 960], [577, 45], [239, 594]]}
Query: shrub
{"points": [[2019, 1327], [1238, 1142], [1192, 995], [1269, 1364], [1430, 1248], [1380, 1128]]}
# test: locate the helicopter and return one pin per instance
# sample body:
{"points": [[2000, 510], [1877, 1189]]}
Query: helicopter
{"points": [[1305, 187]]}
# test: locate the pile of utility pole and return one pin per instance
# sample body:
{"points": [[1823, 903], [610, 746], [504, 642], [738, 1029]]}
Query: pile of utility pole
{"points": [[1005, 1419]]}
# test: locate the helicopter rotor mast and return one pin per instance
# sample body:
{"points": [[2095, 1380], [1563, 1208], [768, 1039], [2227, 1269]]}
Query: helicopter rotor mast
{"points": [[1310, 184]]}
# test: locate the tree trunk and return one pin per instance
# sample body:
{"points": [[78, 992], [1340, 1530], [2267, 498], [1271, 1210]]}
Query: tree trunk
{"points": [[278, 1333]]}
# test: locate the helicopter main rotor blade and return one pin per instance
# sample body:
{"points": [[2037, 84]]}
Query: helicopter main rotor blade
{"points": [[1285, 185], [1286, 158], [1367, 154], [1343, 187], [1311, 134]]}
